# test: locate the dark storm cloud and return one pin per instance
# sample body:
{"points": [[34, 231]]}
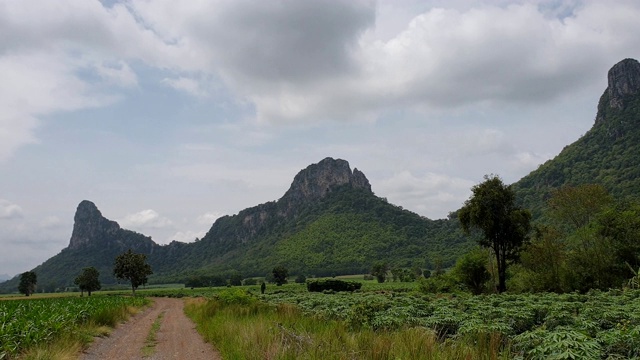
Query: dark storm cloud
{"points": [[285, 41]]}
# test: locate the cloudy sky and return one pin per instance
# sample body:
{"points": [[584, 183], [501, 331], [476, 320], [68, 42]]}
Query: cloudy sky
{"points": [[169, 114]]}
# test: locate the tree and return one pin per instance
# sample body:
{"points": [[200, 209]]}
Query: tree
{"points": [[379, 270], [280, 274], [471, 270], [133, 267], [28, 281], [88, 281], [504, 226], [235, 279], [578, 206]]}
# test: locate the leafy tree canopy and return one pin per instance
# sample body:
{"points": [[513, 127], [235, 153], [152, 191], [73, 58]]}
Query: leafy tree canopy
{"points": [[133, 267], [28, 281], [280, 274], [89, 280], [504, 226]]}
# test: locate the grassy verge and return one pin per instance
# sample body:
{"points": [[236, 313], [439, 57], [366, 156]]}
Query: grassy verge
{"points": [[151, 341], [244, 328]]}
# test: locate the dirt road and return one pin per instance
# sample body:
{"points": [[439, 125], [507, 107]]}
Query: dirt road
{"points": [[176, 337]]}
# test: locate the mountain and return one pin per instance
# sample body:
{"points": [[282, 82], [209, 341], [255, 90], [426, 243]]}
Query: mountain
{"points": [[331, 222], [328, 222], [607, 154]]}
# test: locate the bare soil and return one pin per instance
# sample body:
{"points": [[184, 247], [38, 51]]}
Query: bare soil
{"points": [[177, 337]]}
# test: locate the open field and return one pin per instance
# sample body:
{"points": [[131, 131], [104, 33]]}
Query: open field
{"points": [[33, 324], [291, 324], [382, 321]]}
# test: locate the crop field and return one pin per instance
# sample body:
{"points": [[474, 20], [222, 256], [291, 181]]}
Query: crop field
{"points": [[25, 323], [596, 325]]}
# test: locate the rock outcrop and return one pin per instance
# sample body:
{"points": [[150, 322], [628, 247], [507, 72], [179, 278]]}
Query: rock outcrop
{"points": [[318, 180], [623, 83], [89, 224]]}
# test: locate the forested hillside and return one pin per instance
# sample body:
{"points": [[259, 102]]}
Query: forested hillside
{"points": [[608, 154]]}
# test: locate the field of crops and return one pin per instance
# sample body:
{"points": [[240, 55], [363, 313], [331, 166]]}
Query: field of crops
{"points": [[598, 325], [25, 323]]}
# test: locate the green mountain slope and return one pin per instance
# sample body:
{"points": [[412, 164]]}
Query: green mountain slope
{"points": [[608, 154], [328, 222]]}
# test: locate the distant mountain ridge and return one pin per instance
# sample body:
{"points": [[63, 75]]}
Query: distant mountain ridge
{"points": [[330, 222], [327, 207]]}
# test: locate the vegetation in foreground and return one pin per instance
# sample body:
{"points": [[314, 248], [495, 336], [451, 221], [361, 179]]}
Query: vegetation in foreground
{"points": [[53, 325], [410, 325]]}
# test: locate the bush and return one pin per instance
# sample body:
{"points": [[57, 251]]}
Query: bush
{"points": [[332, 284], [301, 279], [250, 281], [438, 284]]}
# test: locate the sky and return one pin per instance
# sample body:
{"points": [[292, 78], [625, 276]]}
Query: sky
{"points": [[168, 115]]}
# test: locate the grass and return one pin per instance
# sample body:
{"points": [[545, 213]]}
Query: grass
{"points": [[151, 341], [59, 328], [249, 329]]}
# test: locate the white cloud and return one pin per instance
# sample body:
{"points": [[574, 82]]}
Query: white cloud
{"points": [[187, 236], [188, 85], [209, 218], [145, 219], [428, 194], [308, 61], [118, 73], [9, 210], [51, 222]]}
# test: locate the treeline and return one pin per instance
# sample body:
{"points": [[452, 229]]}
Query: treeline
{"points": [[589, 241]]}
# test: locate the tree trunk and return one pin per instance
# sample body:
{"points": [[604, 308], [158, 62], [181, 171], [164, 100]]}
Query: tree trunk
{"points": [[502, 273]]}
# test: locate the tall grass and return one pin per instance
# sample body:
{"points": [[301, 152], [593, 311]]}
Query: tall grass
{"points": [[244, 328]]}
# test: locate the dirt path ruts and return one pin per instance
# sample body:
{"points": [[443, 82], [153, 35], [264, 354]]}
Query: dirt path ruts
{"points": [[176, 339]]}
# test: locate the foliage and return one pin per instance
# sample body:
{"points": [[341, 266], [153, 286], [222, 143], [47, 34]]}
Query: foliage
{"points": [[26, 323], [577, 206], [471, 270], [235, 279], [442, 283], [379, 271], [133, 267], [505, 226], [571, 326], [250, 281], [301, 279], [88, 280], [332, 285], [235, 296], [28, 281], [590, 251], [280, 274], [607, 155]]}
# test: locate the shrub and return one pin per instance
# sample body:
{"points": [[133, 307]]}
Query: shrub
{"points": [[332, 284], [250, 281]]}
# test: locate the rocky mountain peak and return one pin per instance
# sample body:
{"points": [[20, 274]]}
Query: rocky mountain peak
{"points": [[624, 80], [89, 224], [317, 180]]}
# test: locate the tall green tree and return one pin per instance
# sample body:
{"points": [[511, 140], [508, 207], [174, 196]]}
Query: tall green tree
{"points": [[280, 274], [379, 270], [577, 206], [504, 226], [28, 281], [133, 267], [88, 280]]}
